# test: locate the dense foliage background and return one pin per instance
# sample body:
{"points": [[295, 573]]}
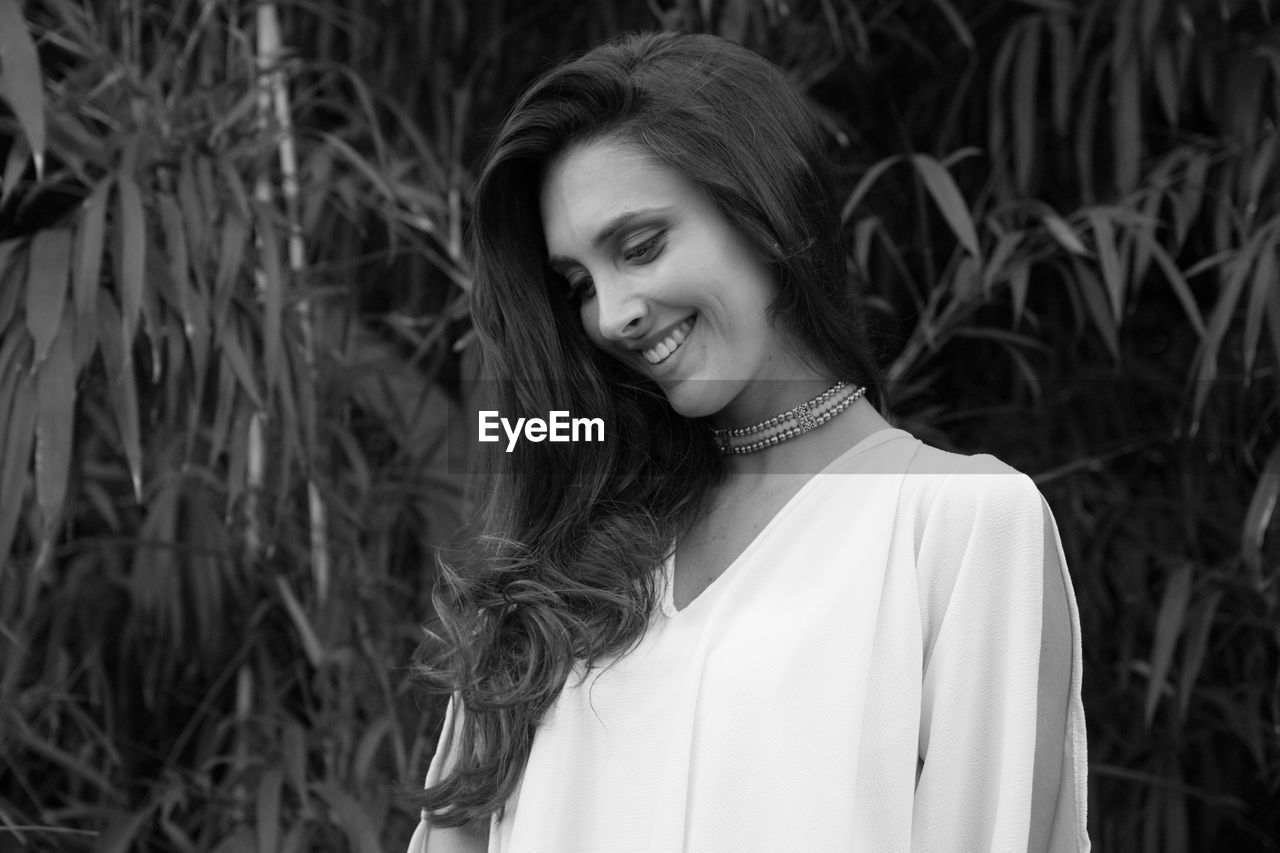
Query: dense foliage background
{"points": [[233, 325]]}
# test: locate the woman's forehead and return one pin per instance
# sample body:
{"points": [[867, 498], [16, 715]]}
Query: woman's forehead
{"points": [[592, 184], [605, 166]]}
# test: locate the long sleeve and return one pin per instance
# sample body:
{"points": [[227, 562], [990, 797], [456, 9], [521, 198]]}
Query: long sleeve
{"points": [[449, 839], [1001, 729]]}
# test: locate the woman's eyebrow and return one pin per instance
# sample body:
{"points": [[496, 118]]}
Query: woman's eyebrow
{"points": [[611, 228]]}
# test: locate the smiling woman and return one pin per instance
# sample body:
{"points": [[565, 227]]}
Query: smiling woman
{"points": [[760, 617]]}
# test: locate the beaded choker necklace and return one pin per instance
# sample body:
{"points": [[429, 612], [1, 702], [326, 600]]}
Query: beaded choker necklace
{"points": [[794, 422]]}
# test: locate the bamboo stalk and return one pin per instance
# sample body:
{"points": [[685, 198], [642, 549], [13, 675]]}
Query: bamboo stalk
{"points": [[274, 101], [255, 476], [240, 756]]}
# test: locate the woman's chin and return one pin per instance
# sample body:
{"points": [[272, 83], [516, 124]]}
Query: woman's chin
{"points": [[694, 398]]}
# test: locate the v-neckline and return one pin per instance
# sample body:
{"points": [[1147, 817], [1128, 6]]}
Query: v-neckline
{"points": [[669, 564]]}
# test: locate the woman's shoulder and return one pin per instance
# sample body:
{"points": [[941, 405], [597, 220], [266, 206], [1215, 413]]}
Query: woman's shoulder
{"points": [[945, 481], [928, 469], [941, 489]]}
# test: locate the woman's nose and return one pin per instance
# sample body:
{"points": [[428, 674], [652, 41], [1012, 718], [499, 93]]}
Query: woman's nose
{"points": [[621, 311]]}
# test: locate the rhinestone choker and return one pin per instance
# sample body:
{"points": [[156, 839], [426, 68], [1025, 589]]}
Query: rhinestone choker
{"points": [[794, 422]]}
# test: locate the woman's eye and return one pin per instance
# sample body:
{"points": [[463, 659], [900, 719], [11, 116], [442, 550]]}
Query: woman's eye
{"points": [[645, 251], [581, 287]]}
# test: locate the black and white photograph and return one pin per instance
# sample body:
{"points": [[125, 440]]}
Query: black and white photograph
{"points": [[639, 426]]}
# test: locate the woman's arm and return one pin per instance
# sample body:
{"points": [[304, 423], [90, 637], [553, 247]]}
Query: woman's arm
{"points": [[450, 839], [1053, 698], [1001, 729], [447, 839]]}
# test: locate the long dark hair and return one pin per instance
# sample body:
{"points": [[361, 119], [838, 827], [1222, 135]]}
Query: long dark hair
{"points": [[564, 571]]}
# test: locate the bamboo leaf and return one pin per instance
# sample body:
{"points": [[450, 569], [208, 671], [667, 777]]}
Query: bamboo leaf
{"points": [[294, 839], [13, 273], [1257, 519], [20, 80], [198, 336], [1187, 204], [273, 296], [293, 751], [122, 385], [78, 766], [1166, 79], [14, 348], [154, 581], [14, 166], [240, 841], [995, 95], [231, 248], [1104, 239], [87, 267], [1065, 235], [864, 185], [1094, 294], [957, 22], [1149, 21], [319, 175], [367, 750], [864, 233], [959, 156], [233, 356], [996, 263], [1086, 128], [267, 813], [1220, 259], [1261, 170], [1264, 281], [1273, 322], [228, 180], [1127, 125], [55, 421], [19, 437], [47, 275], [1023, 114], [1062, 54], [1173, 611], [1178, 282], [946, 195], [353, 818], [1019, 277], [288, 422], [1142, 232], [132, 227], [306, 634], [205, 580], [175, 243], [371, 172], [1194, 649], [1235, 272], [238, 451], [966, 281], [223, 409], [193, 212]]}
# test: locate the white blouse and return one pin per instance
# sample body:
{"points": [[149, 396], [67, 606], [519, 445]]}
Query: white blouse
{"points": [[863, 677]]}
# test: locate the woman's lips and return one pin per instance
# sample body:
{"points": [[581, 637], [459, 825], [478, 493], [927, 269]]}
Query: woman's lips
{"points": [[663, 349]]}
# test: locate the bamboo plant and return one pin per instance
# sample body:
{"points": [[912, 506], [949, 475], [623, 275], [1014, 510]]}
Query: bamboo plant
{"points": [[179, 364]]}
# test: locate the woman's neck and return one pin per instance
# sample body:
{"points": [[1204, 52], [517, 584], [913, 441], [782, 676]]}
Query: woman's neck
{"points": [[810, 453]]}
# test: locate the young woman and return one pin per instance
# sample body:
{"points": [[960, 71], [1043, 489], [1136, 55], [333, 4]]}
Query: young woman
{"points": [[757, 617]]}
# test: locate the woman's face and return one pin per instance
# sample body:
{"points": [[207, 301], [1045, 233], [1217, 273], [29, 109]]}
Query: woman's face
{"points": [[666, 284]]}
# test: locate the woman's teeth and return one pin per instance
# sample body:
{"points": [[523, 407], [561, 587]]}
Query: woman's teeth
{"points": [[663, 349]]}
